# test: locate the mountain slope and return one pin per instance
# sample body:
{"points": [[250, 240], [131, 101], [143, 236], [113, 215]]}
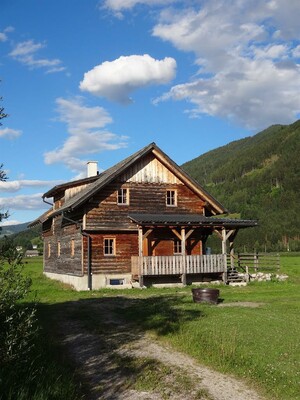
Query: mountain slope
{"points": [[259, 178], [7, 230]]}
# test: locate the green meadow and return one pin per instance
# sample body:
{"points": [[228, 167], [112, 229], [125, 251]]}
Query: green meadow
{"points": [[258, 344]]}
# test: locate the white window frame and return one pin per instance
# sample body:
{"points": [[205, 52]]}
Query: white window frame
{"points": [[123, 197], [171, 198], [109, 247], [177, 246]]}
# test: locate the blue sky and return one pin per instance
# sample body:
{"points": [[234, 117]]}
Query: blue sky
{"points": [[98, 80]]}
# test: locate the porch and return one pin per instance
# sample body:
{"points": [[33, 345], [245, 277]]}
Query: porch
{"points": [[174, 245]]}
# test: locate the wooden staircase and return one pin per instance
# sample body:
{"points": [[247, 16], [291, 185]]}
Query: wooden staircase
{"points": [[234, 277]]}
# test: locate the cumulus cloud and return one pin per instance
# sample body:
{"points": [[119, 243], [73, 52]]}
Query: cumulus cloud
{"points": [[23, 202], [246, 53], [116, 79], [26, 53], [87, 134], [9, 133], [14, 186]]}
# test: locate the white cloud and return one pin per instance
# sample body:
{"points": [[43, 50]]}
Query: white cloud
{"points": [[116, 79], [25, 53], [3, 35], [23, 202], [10, 222], [296, 52], [86, 127], [14, 186], [247, 69], [9, 133], [117, 6]]}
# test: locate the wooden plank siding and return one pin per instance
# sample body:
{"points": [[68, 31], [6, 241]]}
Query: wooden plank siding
{"points": [[177, 265], [149, 170], [103, 212]]}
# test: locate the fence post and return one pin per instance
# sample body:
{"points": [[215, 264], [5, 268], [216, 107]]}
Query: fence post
{"points": [[256, 262]]}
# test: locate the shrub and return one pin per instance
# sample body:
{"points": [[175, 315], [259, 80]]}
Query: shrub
{"points": [[18, 326]]}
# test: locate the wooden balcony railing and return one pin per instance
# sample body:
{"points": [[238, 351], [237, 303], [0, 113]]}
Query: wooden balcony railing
{"points": [[178, 265]]}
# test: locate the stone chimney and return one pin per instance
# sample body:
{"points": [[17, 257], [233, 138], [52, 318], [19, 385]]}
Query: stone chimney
{"points": [[92, 168]]}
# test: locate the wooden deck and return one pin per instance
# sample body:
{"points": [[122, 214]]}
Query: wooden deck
{"points": [[178, 265]]}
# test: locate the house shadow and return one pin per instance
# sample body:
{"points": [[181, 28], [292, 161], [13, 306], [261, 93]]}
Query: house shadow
{"points": [[100, 337]]}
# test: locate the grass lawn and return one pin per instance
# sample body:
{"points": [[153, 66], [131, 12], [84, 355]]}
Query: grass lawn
{"points": [[258, 344]]}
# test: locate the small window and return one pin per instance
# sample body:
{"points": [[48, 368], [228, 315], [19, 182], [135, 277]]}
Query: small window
{"points": [[109, 247], [117, 281], [58, 249], [171, 199], [72, 247], [177, 247], [123, 196], [49, 250]]}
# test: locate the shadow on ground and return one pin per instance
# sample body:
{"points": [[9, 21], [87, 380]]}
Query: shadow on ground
{"points": [[97, 335]]}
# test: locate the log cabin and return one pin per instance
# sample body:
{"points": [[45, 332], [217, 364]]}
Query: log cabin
{"points": [[142, 221]]}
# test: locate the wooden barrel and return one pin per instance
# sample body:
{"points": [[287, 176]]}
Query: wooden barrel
{"points": [[205, 295]]}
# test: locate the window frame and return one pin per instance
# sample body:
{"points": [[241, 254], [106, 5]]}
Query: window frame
{"points": [[123, 194], [171, 198], [177, 245], [109, 246]]}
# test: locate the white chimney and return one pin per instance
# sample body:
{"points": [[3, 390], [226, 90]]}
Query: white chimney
{"points": [[92, 168]]}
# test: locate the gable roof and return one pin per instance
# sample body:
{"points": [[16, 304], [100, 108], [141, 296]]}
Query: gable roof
{"points": [[103, 179]]}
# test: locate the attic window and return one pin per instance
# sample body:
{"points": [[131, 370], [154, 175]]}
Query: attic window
{"points": [[123, 196], [171, 198]]}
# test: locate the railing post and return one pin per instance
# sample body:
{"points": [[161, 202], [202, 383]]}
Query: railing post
{"points": [[225, 268], [183, 277]]}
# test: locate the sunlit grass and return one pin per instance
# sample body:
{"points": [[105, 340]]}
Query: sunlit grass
{"points": [[258, 344]]}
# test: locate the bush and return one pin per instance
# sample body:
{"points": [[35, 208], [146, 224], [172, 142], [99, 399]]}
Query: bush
{"points": [[18, 327]]}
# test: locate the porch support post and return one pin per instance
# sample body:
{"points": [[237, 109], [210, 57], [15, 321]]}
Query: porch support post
{"points": [[141, 277], [183, 252], [224, 252], [232, 236], [224, 238]]}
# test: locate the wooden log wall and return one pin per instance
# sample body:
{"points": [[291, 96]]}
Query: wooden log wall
{"points": [[104, 213], [126, 244], [63, 249]]}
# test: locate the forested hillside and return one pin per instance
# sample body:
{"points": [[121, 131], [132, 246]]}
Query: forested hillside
{"points": [[258, 178], [22, 237]]}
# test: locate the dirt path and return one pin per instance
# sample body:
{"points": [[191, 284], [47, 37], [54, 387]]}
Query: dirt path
{"points": [[115, 361]]}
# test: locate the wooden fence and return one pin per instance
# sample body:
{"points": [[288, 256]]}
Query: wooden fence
{"points": [[255, 262], [178, 265]]}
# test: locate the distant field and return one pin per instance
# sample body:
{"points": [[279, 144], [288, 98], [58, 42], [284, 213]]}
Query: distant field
{"points": [[260, 345]]}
